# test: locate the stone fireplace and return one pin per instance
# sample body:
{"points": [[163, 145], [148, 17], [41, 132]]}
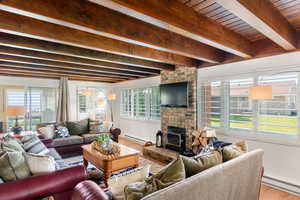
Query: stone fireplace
{"points": [[184, 118]]}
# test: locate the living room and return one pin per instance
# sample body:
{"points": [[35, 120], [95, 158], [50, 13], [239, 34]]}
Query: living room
{"points": [[125, 99]]}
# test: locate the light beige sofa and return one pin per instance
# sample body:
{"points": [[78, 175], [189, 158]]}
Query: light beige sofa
{"points": [[237, 179]]}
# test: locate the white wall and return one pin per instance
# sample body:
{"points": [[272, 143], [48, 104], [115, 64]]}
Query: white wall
{"points": [[281, 161], [141, 129]]}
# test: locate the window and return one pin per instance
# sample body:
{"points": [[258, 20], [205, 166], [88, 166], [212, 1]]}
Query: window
{"points": [[88, 105], [40, 104], [279, 115], [240, 114], [126, 103], [82, 101], [141, 103], [225, 105], [212, 100], [154, 99]]}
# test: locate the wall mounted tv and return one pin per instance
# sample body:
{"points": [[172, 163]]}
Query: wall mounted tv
{"points": [[174, 94]]}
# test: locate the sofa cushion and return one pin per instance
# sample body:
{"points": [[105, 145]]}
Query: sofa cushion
{"points": [[11, 144], [74, 139], [33, 144], [48, 132], [62, 132], [88, 138], [78, 127], [61, 164], [194, 166], [172, 173], [40, 164], [95, 126], [13, 166], [118, 182], [54, 154]]}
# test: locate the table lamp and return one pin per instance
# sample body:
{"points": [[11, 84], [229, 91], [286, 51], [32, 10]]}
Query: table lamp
{"points": [[15, 111]]}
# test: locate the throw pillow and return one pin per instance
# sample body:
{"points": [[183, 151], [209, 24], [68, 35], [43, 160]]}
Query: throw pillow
{"points": [[13, 166], [194, 166], [105, 127], [235, 150], [33, 144], [39, 164], [95, 127], [78, 127], [11, 144], [118, 183], [47, 131], [1, 181], [62, 132], [172, 173]]}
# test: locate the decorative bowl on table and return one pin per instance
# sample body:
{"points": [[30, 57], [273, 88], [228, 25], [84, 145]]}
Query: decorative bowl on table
{"points": [[106, 146]]}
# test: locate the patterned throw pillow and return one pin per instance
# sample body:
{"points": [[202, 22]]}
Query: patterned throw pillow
{"points": [[13, 166], [47, 131], [78, 127], [95, 126], [62, 132], [33, 144]]}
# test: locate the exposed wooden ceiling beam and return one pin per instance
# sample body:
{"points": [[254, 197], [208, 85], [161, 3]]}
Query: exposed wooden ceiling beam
{"points": [[35, 61], [61, 49], [6, 72], [13, 70], [101, 21], [179, 18], [33, 67], [25, 26], [261, 15], [264, 48], [72, 60]]}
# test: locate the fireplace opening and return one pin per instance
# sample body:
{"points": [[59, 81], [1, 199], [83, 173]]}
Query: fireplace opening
{"points": [[176, 139]]}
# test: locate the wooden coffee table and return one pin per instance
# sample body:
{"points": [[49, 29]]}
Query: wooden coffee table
{"points": [[128, 158]]}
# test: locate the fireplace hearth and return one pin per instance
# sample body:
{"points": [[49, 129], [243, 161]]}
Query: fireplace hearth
{"points": [[176, 139]]}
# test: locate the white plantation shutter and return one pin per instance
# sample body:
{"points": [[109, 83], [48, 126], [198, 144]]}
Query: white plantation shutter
{"points": [[212, 104], [141, 103], [279, 115]]}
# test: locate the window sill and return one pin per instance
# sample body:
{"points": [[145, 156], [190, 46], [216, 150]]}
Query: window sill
{"points": [[259, 137]]}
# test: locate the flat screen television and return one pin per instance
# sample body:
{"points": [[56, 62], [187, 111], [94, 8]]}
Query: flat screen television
{"points": [[174, 94]]}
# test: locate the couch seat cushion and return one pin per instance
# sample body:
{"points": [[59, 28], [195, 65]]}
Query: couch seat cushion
{"points": [[88, 138], [58, 142], [54, 154]]}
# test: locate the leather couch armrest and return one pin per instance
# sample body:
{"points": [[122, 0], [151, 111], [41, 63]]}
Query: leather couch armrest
{"points": [[115, 132], [48, 143], [88, 190], [45, 185]]}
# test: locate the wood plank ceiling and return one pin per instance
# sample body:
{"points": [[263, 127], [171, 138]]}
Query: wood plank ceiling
{"points": [[119, 40]]}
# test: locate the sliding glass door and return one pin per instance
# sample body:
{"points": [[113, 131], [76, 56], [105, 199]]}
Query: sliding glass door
{"points": [[40, 106]]}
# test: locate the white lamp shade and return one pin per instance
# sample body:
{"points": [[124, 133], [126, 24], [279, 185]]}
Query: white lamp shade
{"points": [[261, 92], [111, 96]]}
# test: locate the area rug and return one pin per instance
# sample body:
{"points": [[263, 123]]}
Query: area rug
{"points": [[143, 161]]}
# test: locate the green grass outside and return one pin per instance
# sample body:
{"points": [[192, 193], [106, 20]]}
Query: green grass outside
{"points": [[275, 120]]}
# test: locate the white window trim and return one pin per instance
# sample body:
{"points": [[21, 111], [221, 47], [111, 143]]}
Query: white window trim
{"points": [[249, 134]]}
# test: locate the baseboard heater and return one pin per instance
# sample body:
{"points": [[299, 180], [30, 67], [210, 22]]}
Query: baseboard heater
{"points": [[138, 140], [281, 185]]}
